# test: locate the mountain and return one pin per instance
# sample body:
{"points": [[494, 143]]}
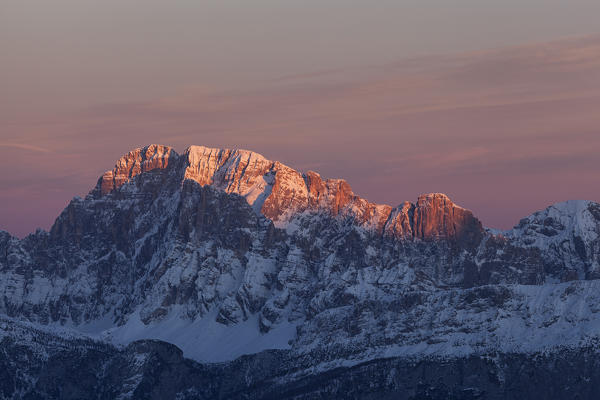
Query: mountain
{"points": [[291, 286]]}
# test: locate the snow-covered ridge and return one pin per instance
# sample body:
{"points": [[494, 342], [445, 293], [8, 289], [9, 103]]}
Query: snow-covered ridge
{"points": [[570, 217], [567, 231]]}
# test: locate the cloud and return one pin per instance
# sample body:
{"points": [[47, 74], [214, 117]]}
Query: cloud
{"points": [[26, 147], [521, 75]]}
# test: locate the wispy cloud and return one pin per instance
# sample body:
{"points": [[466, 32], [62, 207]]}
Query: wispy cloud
{"points": [[26, 147]]}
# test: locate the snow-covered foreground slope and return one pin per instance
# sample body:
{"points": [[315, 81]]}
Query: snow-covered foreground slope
{"points": [[450, 323], [225, 253], [38, 362], [203, 339]]}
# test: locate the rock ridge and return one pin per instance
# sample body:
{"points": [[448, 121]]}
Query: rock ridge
{"points": [[280, 192]]}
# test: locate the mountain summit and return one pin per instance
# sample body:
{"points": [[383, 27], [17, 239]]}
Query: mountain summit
{"points": [[280, 193], [224, 254]]}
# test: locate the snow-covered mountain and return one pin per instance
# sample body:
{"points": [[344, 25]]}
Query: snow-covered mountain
{"points": [[224, 253]]}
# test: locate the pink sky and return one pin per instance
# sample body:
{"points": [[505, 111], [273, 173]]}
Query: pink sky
{"points": [[503, 132]]}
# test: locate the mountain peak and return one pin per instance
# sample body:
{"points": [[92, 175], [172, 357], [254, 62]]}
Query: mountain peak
{"points": [[281, 193], [437, 216], [135, 162]]}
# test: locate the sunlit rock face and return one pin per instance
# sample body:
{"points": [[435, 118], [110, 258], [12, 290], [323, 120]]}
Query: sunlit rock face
{"points": [[224, 252], [279, 192], [276, 190], [436, 216], [134, 163]]}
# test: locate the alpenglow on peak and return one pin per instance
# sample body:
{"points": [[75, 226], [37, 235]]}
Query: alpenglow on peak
{"points": [[280, 192]]}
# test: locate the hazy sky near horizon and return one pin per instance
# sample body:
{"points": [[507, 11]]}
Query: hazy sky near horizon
{"points": [[494, 103]]}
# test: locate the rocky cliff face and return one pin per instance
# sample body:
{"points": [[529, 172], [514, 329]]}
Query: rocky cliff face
{"points": [[223, 253]]}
